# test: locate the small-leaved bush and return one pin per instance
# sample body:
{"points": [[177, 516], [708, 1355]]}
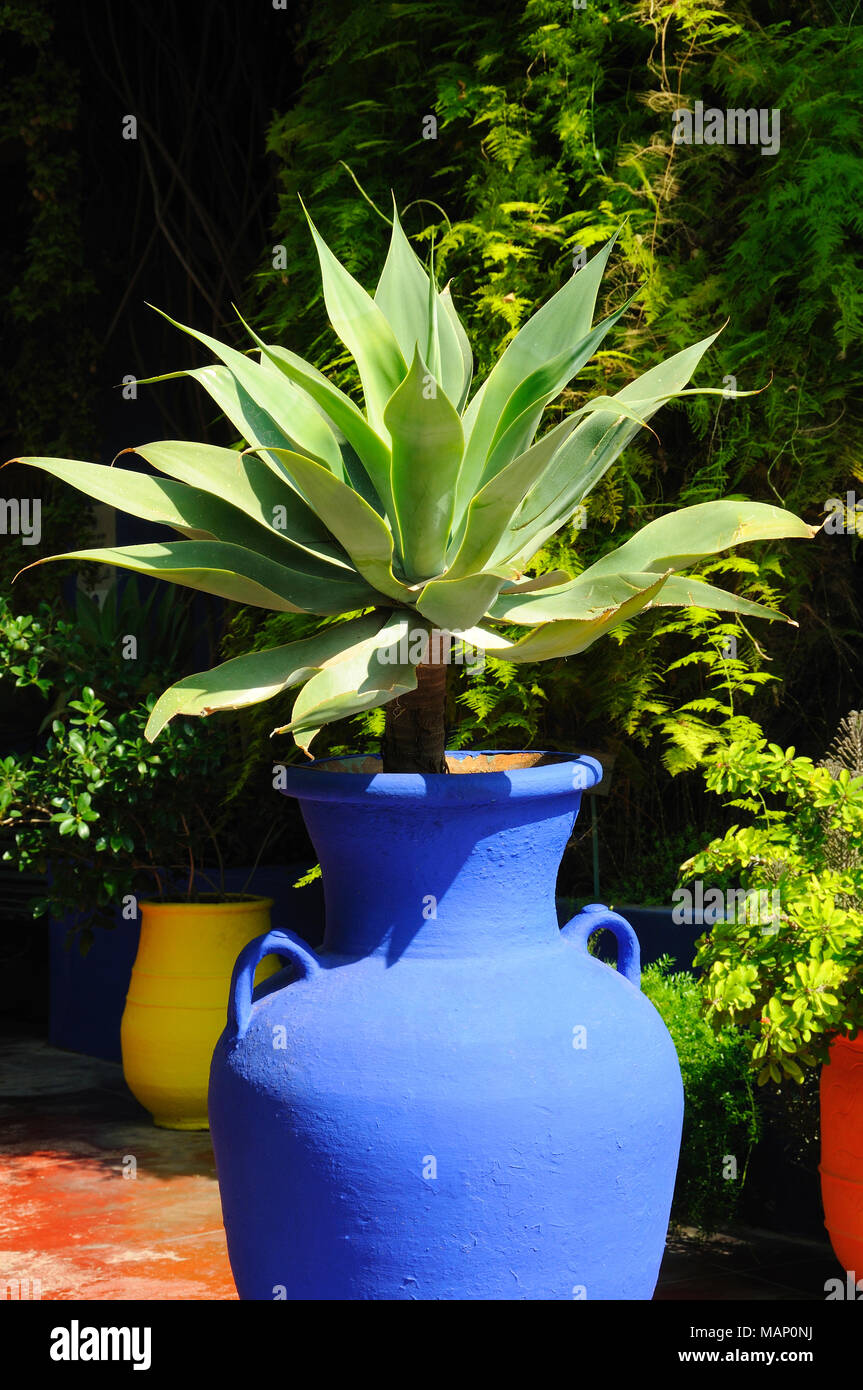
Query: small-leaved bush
{"points": [[790, 979], [93, 808]]}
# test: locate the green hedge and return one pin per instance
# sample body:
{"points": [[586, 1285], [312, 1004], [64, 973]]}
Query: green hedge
{"points": [[721, 1118]]}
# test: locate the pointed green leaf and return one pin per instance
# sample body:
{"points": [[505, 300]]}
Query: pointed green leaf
{"points": [[254, 488], [682, 538], [188, 510], [354, 681], [257, 676], [216, 567], [365, 332], [579, 599], [251, 422], [427, 450], [590, 595], [302, 425], [683, 592], [408, 299], [431, 352], [523, 410], [565, 319], [461, 383], [567, 638], [365, 535], [506, 480], [371, 450], [587, 452]]}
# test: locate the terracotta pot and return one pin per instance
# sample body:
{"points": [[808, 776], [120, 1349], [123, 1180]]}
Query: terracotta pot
{"points": [[842, 1150]]}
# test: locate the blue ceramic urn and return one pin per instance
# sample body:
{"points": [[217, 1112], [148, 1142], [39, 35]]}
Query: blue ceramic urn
{"points": [[453, 1099]]}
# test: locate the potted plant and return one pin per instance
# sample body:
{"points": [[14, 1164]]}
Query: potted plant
{"points": [[453, 1099], [114, 831], [785, 965]]}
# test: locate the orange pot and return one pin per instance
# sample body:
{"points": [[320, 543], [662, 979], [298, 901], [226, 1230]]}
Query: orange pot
{"points": [[842, 1150]]}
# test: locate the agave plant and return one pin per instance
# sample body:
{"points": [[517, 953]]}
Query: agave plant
{"points": [[418, 513]]}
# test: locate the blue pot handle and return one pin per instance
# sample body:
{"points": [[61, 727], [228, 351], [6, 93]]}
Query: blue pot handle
{"points": [[595, 917], [276, 942]]}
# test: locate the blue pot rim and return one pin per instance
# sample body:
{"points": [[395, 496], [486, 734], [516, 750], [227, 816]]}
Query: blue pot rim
{"points": [[566, 775]]}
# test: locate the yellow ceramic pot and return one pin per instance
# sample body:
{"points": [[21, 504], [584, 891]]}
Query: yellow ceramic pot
{"points": [[178, 997]]}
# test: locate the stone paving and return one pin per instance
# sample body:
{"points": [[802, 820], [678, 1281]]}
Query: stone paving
{"points": [[96, 1203]]}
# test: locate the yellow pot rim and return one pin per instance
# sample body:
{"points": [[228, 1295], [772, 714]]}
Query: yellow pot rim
{"points": [[243, 903]]}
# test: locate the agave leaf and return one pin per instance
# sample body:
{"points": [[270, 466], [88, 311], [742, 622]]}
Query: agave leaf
{"points": [[407, 297], [490, 515], [681, 539], [355, 680], [364, 330], [251, 422], [302, 425], [591, 595], [194, 513], [567, 637], [683, 592], [565, 318], [533, 583], [249, 485], [576, 600], [229, 571], [365, 535], [427, 451], [372, 451], [464, 348], [588, 451], [455, 604], [257, 676], [432, 351], [523, 410], [485, 639], [572, 473]]}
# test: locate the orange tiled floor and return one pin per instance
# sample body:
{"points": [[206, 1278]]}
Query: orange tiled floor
{"points": [[70, 1218]]}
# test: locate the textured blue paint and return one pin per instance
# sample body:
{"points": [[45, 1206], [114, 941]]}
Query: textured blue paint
{"points": [[411, 1113]]}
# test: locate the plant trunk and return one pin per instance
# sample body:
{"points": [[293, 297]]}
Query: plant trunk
{"points": [[414, 738]]}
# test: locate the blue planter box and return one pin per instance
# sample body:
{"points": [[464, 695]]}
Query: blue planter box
{"points": [[659, 935], [88, 993]]}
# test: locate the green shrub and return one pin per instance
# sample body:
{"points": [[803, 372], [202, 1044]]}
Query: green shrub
{"points": [[721, 1120], [788, 970], [93, 806]]}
